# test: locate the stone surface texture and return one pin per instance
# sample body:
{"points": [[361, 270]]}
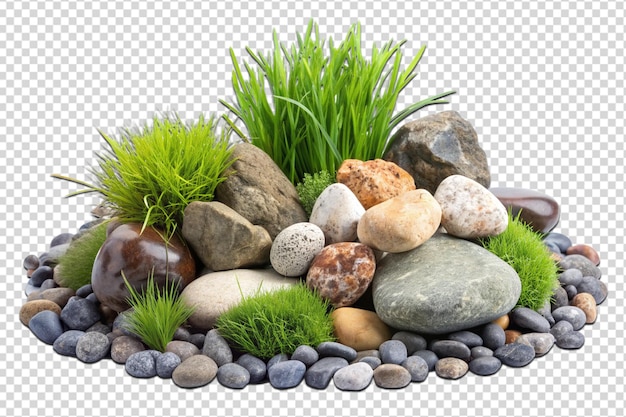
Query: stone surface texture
{"points": [[295, 247]]}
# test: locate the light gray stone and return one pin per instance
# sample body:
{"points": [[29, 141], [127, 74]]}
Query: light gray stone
{"points": [[295, 248], [337, 225]]}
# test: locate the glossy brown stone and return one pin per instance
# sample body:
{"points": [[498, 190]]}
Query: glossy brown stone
{"points": [[586, 251], [137, 253], [539, 210]]}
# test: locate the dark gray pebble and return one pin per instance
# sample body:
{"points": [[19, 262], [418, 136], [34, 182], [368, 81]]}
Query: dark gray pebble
{"points": [[417, 367], [571, 340], [166, 363], [412, 341], [197, 339], [572, 314], [278, 358], [570, 277], [527, 318], [92, 347], [84, 291], [372, 361], [469, 339], [66, 343], [546, 312], [232, 375], [336, 349], [451, 349], [560, 240], [541, 342], [100, 328], [493, 336], [92, 297], [61, 239], [392, 376], [429, 356], [594, 287], [553, 247], [561, 328], [318, 376], [515, 354], [51, 257], [48, 284], [40, 275], [485, 365], [255, 366], [305, 354], [183, 334], [142, 364], [80, 313], [393, 351], [287, 374], [559, 298], [481, 351], [581, 263], [216, 348], [571, 291], [46, 325], [31, 262]]}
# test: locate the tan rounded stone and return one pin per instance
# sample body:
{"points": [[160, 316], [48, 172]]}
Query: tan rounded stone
{"points": [[511, 336], [451, 368], [195, 371], [587, 304], [59, 295], [30, 308], [503, 321], [400, 224], [586, 251], [360, 329]]}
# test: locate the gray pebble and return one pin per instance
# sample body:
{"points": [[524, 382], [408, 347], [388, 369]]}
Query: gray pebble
{"points": [[84, 291], [92, 347], [561, 328], [66, 343], [182, 334], [594, 287], [529, 319], [142, 364], [46, 325], [40, 275], [255, 366], [451, 349], [429, 356], [570, 277], [121, 323], [581, 263], [232, 375], [369, 352], [305, 354], [318, 376], [559, 239], [572, 314], [123, 347], [546, 312], [469, 339], [100, 328], [31, 262], [61, 239], [493, 336], [451, 368], [485, 365], [393, 351], [51, 257], [417, 367], [336, 349], [412, 341], [541, 342], [287, 374], [278, 358], [572, 340], [391, 376], [182, 349], [166, 363], [216, 348], [80, 314], [197, 339], [571, 291], [372, 361], [515, 355], [559, 298], [48, 285], [480, 351], [355, 377]]}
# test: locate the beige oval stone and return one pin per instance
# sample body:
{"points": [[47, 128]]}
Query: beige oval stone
{"points": [[360, 329], [451, 368], [587, 304], [195, 371], [503, 321], [59, 295], [30, 308], [402, 223]]}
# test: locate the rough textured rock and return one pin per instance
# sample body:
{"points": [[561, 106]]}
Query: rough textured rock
{"points": [[469, 210], [446, 284], [31, 308], [374, 181], [341, 272], [401, 223], [295, 248], [215, 292], [437, 146], [257, 189], [194, 372], [337, 225], [538, 209], [138, 254], [223, 239], [360, 329]]}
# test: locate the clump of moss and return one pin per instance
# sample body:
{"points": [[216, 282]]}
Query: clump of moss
{"points": [[311, 187], [75, 265], [156, 312], [523, 249], [269, 323]]}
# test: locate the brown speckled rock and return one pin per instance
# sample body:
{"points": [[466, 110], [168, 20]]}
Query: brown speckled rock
{"points": [[137, 254], [373, 182], [538, 209], [341, 272]]}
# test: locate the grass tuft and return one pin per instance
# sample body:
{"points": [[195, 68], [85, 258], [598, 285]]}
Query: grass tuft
{"points": [[151, 174], [269, 323], [310, 110], [156, 312], [311, 187], [523, 249]]}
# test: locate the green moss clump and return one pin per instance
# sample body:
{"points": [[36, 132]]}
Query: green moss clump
{"points": [[75, 265], [311, 187], [523, 249], [279, 321]]}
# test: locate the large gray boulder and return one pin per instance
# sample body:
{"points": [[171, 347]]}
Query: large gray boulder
{"points": [[258, 190], [444, 285], [436, 146]]}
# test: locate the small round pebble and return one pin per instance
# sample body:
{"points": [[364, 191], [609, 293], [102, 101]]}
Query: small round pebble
{"points": [[182, 349], [561, 328], [84, 291], [391, 376], [413, 341], [570, 277], [100, 328], [451, 368], [80, 314], [166, 363], [336, 349], [570, 290], [493, 336], [515, 355], [594, 287], [66, 343], [529, 319], [31, 262], [123, 347], [587, 304], [255, 366], [48, 285], [278, 358], [451, 348], [59, 295], [354, 377], [560, 240], [195, 372], [393, 351], [295, 247], [571, 340], [182, 334], [429, 356], [318, 376], [587, 267], [61, 239], [559, 298], [305, 354], [46, 325], [417, 367], [216, 348], [480, 351], [92, 347], [287, 374], [372, 361], [485, 365], [40, 275], [572, 314], [197, 339], [232, 375], [541, 342], [142, 364], [469, 339]]}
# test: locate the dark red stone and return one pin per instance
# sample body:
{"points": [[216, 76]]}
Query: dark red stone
{"points": [[539, 210], [136, 253]]}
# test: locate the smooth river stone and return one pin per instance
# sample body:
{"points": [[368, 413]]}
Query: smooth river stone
{"points": [[446, 284], [539, 210]]}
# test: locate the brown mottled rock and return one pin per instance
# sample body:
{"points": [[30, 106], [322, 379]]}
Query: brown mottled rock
{"points": [[391, 376], [511, 336], [182, 349], [538, 209], [258, 190], [137, 255], [195, 371], [451, 368], [124, 346], [30, 308], [400, 224], [375, 181], [341, 272], [360, 329], [59, 295], [436, 146], [222, 238], [587, 303], [586, 251]]}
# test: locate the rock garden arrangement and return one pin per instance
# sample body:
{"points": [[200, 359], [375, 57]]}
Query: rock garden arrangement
{"points": [[319, 248]]}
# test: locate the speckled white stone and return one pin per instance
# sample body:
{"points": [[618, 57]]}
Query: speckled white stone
{"points": [[295, 247], [337, 212]]}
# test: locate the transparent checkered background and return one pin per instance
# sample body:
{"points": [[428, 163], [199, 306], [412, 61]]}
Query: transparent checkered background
{"points": [[542, 82]]}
